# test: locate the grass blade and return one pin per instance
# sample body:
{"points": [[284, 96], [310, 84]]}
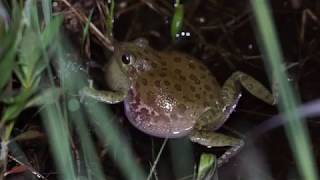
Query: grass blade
{"points": [[296, 129]]}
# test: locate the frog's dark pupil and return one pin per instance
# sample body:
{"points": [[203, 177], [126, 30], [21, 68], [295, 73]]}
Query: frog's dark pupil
{"points": [[125, 59]]}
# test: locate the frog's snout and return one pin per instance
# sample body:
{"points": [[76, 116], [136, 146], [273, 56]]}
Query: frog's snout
{"points": [[115, 78]]}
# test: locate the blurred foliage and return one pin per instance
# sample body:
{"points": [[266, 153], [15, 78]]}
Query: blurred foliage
{"points": [[30, 38], [295, 127], [177, 20], [207, 168]]}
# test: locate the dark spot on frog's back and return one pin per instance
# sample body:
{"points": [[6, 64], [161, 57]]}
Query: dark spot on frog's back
{"points": [[192, 66], [178, 87], [177, 71], [164, 69], [194, 79], [177, 59], [162, 74], [192, 88], [183, 78], [163, 63], [157, 83], [207, 87], [204, 93], [144, 81], [167, 83]]}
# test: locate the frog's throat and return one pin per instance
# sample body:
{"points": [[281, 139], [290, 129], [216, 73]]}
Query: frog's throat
{"points": [[153, 121]]}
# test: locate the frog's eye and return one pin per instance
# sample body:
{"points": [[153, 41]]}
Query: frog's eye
{"points": [[127, 58]]}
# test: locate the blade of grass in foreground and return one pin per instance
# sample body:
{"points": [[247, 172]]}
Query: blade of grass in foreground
{"points": [[112, 137], [88, 163], [58, 136], [100, 119], [295, 128]]}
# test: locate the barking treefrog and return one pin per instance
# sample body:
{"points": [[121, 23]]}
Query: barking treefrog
{"points": [[171, 94]]}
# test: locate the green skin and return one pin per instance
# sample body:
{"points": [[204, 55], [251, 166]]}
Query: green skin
{"points": [[170, 94]]}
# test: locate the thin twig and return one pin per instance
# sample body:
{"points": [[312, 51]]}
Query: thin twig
{"points": [[31, 169], [157, 159]]}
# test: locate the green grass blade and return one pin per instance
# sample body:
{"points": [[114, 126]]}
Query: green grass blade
{"points": [[296, 129], [208, 163], [47, 10], [15, 109], [58, 134], [92, 163], [85, 32], [110, 18], [51, 30], [9, 43], [7, 64], [72, 80], [110, 135], [177, 20]]}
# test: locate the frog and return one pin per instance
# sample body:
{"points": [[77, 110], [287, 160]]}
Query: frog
{"points": [[170, 94]]}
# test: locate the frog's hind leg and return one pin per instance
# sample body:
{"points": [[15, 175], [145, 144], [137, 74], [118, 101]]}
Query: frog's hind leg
{"points": [[203, 134], [213, 139], [231, 89]]}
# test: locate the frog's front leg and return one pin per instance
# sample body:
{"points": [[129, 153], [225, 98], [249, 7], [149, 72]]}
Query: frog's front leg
{"points": [[109, 97]]}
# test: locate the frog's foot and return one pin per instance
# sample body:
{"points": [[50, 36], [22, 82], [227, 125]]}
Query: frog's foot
{"points": [[232, 151], [109, 97], [213, 139]]}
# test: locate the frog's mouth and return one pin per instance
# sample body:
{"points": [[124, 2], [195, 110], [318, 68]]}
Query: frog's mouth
{"points": [[116, 79]]}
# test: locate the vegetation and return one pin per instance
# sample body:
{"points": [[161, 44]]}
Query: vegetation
{"points": [[43, 117]]}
